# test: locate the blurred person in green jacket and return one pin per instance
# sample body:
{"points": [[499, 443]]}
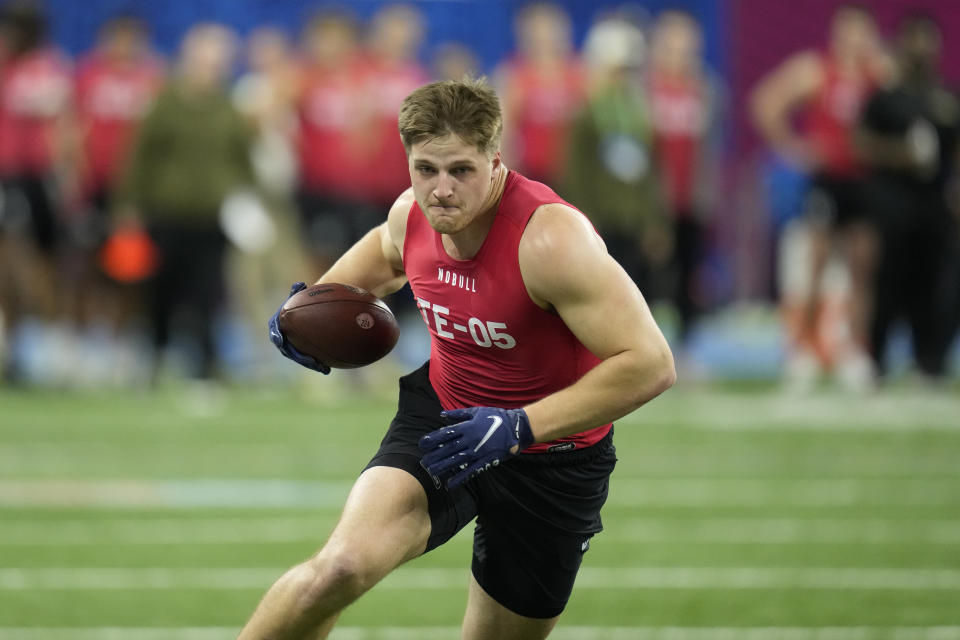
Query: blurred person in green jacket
{"points": [[609, 169], [192, 151]]}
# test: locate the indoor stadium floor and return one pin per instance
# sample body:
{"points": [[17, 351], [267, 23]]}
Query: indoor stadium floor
{"points": [[734, 514]]}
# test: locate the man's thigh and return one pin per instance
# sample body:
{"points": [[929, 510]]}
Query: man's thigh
{"points": [[385, 522], [418, 414]]}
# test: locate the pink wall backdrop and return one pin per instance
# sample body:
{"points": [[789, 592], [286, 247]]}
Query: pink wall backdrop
{"points": [[764, 32]]}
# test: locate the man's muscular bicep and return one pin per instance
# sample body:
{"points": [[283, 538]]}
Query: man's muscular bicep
{"points": [[395, 230], [566, 267]]}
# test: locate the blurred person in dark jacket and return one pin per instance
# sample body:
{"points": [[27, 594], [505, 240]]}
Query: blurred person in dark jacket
{"points": [[609, 168], [909, 139], [191, 152]]}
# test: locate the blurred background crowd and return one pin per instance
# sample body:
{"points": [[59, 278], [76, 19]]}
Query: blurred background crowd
{"points": [[778, 178]]}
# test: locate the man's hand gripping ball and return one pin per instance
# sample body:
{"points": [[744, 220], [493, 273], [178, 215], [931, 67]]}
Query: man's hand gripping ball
{"points": [[281, 342], [482, 438]]}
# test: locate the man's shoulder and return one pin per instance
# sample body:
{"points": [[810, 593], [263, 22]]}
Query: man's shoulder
{"points": [[402, 205], [557, 247], [555, 227], [397, 218], [523, 196]]}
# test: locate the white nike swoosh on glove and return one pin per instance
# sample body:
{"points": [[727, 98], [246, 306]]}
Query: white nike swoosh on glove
{"points": [[497, 421]]}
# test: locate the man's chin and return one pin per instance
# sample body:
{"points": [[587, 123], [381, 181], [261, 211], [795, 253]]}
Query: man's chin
{"points": [[446, 223], [445, 226]]}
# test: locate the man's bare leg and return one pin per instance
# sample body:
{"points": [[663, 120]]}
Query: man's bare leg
{"points": [[820, 245], [487, 619], [861, 246], [385, 522]]}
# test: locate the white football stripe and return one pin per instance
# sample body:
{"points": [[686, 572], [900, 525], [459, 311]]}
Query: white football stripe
{"points": [[560, 633], [309, 528], [833, 412], [708, 578], [659, 491]]}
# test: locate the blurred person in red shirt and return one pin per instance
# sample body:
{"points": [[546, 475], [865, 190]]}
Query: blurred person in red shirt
{"points": [[331, 137], [35, 88], [393, 72], [543, 88], [685, 112], [114, 86], [827, 90]]}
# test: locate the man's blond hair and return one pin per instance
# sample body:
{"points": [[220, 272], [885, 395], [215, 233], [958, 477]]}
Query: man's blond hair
{"points": [[467, 108]]}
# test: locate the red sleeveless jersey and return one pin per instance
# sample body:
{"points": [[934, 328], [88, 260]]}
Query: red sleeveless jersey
{"points": [[490, 344], [34, 91], [833, 115], [544, 110], [111, 99]]}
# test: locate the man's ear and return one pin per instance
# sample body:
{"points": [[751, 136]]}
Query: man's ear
{"points": [[497, 162]]}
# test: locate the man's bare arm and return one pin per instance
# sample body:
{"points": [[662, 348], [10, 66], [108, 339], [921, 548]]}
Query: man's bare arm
{"points": [[566, 268], [917, 150], [375, 263], [777, 96]]}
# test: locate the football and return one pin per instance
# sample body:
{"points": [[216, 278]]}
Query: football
{"points": [[342, 326]]}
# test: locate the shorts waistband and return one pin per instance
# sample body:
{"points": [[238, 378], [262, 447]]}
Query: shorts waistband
{"points": [[571, 457]]}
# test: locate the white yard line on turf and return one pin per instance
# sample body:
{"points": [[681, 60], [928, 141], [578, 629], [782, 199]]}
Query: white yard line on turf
{"points": [[717, 410], [706, 578], [560, 633], [266, 529], [677, 492]]}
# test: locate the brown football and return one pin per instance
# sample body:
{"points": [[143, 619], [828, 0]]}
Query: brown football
{"points": [[342, 326]]}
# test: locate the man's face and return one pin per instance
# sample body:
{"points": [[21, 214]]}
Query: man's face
{"points": [[451, 181], [854, 32], [920, 47], [124, 43]]}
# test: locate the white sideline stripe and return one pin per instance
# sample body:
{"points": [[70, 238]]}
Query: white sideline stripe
{"points": [[907, 410], [445, 633], [205, 492], [260, 530], [686, 492], [767, 491], [783, 531], [164, 531], [26, 457], [708, 578]]}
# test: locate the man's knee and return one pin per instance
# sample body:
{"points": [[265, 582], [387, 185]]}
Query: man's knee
{"points": [[335, 578]]}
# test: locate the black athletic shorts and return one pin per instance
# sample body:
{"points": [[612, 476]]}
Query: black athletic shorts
{"points": [[835, 202], [27, 209], [535, 513]]}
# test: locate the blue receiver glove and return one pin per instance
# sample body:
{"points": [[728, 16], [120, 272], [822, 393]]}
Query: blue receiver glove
{"points": [[482, 438], [287, 349]]}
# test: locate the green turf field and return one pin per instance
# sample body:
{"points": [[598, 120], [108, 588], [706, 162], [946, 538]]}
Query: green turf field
{"points": [[733, 514]]}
